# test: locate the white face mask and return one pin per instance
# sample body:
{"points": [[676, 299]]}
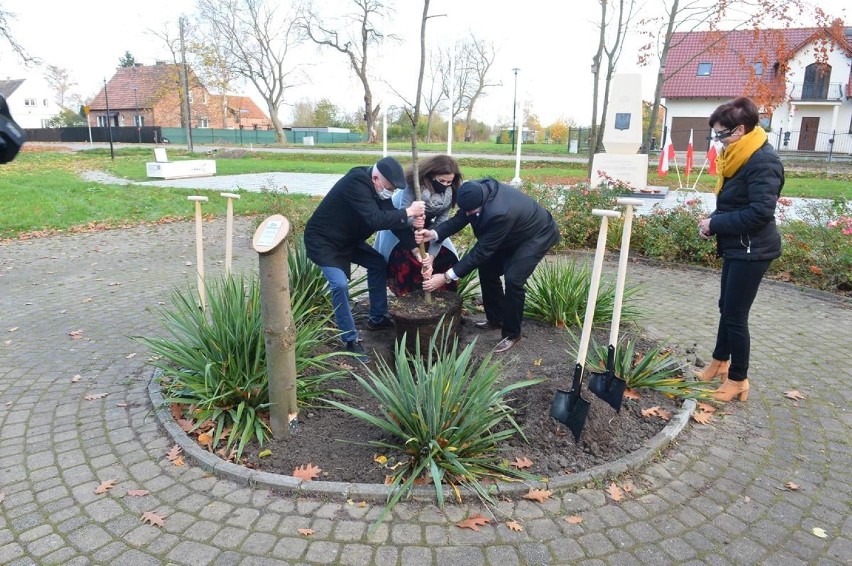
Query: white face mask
{"points": [[385, 194]]}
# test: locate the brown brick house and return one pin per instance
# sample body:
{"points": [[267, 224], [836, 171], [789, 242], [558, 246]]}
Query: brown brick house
{"points": [[151, 95]]}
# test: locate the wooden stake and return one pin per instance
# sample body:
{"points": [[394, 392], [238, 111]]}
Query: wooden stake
{"points": [[199, 249], [229, 230]]}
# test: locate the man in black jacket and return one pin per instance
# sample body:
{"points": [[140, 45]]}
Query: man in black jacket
{"points": [[513, 234], [357, 206]]}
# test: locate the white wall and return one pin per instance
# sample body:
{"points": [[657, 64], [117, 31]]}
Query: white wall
{"points": [[34, 89]]}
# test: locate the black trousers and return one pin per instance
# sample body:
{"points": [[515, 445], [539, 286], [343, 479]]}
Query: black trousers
{"points": [[740, 280], [507, 307]]}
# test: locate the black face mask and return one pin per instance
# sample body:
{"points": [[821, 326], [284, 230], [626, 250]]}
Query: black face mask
{"points": [[438, 187]]}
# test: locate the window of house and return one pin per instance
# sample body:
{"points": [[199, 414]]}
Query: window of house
{"points": [[203, 123], [45, 123], [704, 69], [138, 120], [190, 97], [29, 102], [102, 121], [758, 68], [44, 102], [204, 98]]}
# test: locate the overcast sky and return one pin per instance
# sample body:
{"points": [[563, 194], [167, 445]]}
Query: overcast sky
{"points": [[551, 42]]}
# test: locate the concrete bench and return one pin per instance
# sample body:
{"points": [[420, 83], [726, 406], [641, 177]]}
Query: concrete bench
{"points": [[162, 168]]}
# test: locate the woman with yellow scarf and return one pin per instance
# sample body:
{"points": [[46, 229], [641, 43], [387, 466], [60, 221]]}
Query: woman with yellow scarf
{"points": [[750, 179]]}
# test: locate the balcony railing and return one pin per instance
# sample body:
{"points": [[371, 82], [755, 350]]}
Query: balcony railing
{"points": [[828, 92]]}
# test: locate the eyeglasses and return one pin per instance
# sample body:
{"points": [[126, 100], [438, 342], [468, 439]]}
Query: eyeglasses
{"points": [[724, 134], [444, 182]]}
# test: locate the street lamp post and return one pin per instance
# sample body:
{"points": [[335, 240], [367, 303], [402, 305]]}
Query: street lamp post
{"points": [[515, 109], [137, 118]]}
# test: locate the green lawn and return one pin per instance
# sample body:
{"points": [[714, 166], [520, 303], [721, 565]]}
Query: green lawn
{"points": [[43, 190]]}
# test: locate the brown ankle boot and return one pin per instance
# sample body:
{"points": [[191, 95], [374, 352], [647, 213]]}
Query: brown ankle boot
{"points": [[717, 368], [730, 389]]}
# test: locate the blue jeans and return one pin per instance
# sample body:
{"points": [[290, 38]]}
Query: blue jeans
{"points": [[376, 285]]}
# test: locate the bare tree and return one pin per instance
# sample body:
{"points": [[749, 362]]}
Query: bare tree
{"points": [[435, 94], [215, 67], [596, 74], [355, 46], [612, 49], [6, 19], [59, 79], [256, 40], [478, 60], [304, 113], [172, 80]]}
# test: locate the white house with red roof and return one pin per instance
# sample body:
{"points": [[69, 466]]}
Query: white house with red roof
{"points": [[802, 76]]}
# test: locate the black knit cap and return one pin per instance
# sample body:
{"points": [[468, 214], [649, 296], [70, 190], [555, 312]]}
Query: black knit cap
{"points": [[471, 196], [392, 171]]}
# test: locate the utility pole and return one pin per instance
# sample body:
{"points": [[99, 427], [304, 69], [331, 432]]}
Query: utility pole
{"points": [[185, 75], [109, 121]]}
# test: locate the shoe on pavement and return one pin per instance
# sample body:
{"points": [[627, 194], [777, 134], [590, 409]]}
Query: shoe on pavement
{"points": [[506, 344], [358, 351], [488, 325], [381, 324]]}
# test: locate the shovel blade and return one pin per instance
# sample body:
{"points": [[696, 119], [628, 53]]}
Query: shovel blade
{"points": [[570, 409], [608, 387]]}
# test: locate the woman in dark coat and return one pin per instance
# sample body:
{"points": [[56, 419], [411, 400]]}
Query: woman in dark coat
{"points": [[750, 179], [440, 178]]}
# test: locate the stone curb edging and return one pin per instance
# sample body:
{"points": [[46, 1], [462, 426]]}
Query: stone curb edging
{"points": [[375, 492]]}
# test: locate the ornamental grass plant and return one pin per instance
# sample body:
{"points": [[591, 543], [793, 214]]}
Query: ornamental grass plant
{"points": [[445, 414], [213, 362], [557, 293]]}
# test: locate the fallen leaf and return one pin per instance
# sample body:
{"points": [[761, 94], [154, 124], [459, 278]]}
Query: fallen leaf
{"points": [[615, 493], [105, 487], [632, 394], [791, 486], [94, 396], [819, 532], [87, 300], [380, 459], [184, 424], [75, 334], [263, 453], [176, 410], [705, 407], [205, 439], [152, 518], [701, 417], [816, 270], [522, 463], [650, 411], [573, 519], [540, 495], [473, 523], [307, 472], [537, 362], [664, 414], [515, 526], [305, 532], [14, 328], [121, 404], [174, 453], [794, 394], [137, 492], [628, 487], [128, 356], [76, 378]]}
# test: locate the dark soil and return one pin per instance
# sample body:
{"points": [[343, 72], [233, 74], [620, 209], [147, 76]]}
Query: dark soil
{"points": [[335, 441]]}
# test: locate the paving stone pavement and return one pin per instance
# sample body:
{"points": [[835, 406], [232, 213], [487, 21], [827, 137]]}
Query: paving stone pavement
{"points": [[716, 497]]}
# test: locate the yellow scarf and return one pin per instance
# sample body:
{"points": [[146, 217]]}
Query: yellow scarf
{"points": [[731, 158]]}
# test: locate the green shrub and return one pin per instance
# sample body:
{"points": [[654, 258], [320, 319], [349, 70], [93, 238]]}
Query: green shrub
{"points": [[672, 235], [557, 293], [445, 415], [817, 248], [573, 213], [214, 362]]}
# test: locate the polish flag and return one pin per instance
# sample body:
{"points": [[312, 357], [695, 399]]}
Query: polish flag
{"points": [[711, 156], [665, 155], [688, 166]]}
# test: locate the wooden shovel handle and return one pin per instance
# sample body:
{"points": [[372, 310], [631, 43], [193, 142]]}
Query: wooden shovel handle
{"points": [[622, 266]]}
